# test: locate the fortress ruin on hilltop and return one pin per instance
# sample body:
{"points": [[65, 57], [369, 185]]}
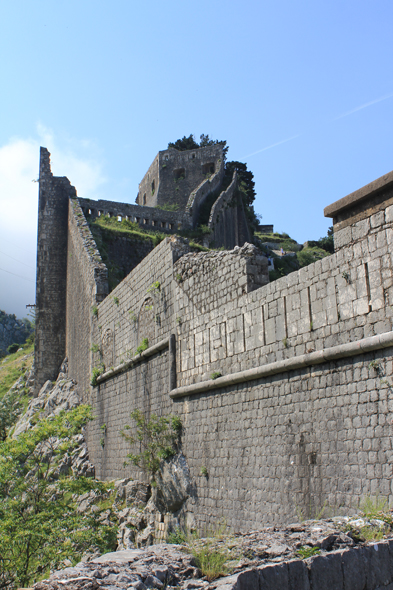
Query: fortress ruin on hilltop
{"points": [[300, 414]]}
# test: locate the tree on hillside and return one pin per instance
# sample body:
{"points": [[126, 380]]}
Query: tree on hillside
{"points": [[189, 143], [40, 525]]}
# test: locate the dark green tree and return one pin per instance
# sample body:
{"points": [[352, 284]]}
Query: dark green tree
{"points": [[40, 525], [186, 143], [189, 143]]}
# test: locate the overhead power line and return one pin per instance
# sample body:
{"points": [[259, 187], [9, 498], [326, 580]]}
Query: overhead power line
{"points": [[15, 275], [16, 260]]}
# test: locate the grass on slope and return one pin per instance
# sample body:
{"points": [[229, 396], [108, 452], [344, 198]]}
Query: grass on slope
{"points": [[13, 365]]}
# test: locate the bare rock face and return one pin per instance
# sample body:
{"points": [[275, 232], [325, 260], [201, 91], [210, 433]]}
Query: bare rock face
{"points": [[173, 484], [52, 399]]}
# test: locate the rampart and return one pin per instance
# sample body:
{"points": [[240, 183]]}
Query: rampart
{"points": [[284, 389], [148, 217], [227, 221]]}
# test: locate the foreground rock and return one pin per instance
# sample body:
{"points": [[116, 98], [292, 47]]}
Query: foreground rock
{"points": [[268, 559]]}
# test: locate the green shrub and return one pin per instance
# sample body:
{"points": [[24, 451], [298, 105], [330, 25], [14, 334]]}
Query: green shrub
{"points": [[96, 372], [210, 560], [157, 438], [144, 345], [176, 537], [13, 348]]}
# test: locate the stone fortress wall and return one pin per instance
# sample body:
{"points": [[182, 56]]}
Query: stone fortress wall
{"points": [[302, 412], [299, 412]]}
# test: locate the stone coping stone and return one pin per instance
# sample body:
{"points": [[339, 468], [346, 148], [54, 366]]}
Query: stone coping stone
{"points": [[356, 197]]}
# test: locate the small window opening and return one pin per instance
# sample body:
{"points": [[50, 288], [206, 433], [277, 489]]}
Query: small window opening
{"points": [[154, 222], [170, 225], [166, 158], [208, 168], [179, 173], [145, 222], [162, 223], [153, 187], [193, 156], [144, 199], [137, 219]]}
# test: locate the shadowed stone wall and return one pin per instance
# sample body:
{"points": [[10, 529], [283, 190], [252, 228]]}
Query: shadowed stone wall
{"points": [[54, 195]]}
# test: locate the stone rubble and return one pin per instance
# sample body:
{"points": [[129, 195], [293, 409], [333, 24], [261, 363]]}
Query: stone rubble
{"points": [[169, 566]]}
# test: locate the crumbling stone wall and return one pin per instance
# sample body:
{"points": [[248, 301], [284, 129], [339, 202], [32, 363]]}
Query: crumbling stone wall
{"points": [[227, 221], [54, 195]]}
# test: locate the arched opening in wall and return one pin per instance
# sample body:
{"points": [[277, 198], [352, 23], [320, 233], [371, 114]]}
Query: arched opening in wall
{"points": [[99, 213], [153, 187], [170, 226], [107, 347], [179, 173], [137, 219], [192, 156], [147, 323], [208, 168], [119, 218], [145, 222], [166, 158], [154, 223], [162, 223], [144, 199]]}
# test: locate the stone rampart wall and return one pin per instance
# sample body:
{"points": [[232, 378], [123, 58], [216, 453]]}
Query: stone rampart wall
{"points": [[148, 217], [227, 220], [87, 285], [199, 195], [284, 441]]}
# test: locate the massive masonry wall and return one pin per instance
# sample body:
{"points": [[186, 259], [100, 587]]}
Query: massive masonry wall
{"points": [[87, 285], [302, 412], [54, 194]]}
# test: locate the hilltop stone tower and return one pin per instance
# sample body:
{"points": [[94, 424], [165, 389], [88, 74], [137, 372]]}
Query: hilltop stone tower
{"points": [[174, 174]]}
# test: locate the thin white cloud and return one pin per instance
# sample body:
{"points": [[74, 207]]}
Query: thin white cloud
{"points": [[272, 146], [19, 163], [363, 106]]}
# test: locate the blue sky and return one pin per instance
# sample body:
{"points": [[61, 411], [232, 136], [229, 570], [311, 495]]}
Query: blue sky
{"points": [[302, 92]]}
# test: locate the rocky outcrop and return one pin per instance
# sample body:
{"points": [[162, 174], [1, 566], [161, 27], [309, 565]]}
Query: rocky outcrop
{"points": [[52, 399], [12, 331], [301, 556]]}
